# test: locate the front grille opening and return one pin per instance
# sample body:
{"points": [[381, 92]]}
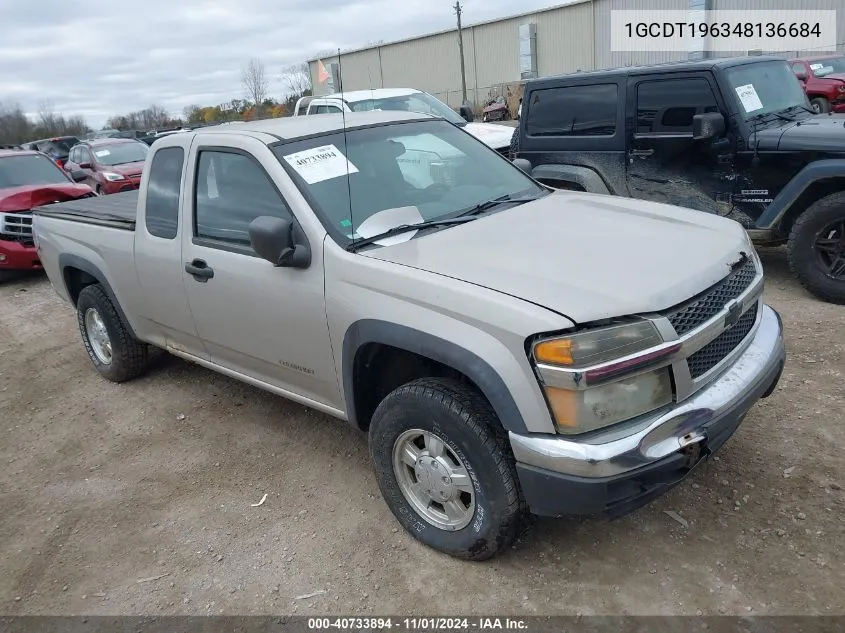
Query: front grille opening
{"points": [[688, 316], [716, 350]]}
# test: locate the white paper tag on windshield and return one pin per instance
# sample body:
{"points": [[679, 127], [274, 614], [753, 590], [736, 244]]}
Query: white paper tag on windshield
{"points": [[816, 66], [748, 96], [321, 163], [101, 153]]}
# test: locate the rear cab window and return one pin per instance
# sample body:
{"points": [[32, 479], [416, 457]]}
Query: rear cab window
{"points": [[163, 191]]}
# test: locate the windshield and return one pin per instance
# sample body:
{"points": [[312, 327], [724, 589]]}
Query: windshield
{"points": [[431, 169], [59, 146], [32, 169], [766, 87], [827, 66], [416, 102], [121, 153]]}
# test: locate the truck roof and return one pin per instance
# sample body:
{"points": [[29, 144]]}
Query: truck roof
{"points": [[667, 67], [300, 126]]}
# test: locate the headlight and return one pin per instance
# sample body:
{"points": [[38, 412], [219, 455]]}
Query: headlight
{"points": [[597, 407], [597, 346], [589, 377], [841, 87], [112, 177]]}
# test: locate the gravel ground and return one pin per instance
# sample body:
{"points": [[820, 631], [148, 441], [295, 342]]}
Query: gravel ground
{"points": [[136, 499]]}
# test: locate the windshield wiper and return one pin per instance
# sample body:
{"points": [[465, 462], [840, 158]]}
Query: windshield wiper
{"points": [[804, 108], [404, 228], [481, 207]]}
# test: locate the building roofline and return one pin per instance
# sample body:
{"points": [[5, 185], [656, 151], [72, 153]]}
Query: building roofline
{"points": [[464, 27]]}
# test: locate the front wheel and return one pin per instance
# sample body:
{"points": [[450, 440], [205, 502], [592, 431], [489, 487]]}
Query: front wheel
{"points": [[445, 468], [816, 248]]}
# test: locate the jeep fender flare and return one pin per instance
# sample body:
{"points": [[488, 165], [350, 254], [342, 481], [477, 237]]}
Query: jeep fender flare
{"points": [[67, 260], [817, 170], [583, 176], [485, 377]]}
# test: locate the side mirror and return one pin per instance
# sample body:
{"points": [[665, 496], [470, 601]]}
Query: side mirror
{"points": [[708, 125], [280, 242], [466, 113], [524, 164], [802, 76], [85, 165], [78, 175]]}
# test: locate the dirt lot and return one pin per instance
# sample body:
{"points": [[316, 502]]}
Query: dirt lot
{"points": [[135, 499]]}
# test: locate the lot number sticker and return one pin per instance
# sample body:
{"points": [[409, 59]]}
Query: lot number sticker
{"points": [[321, 163], [101, 153], [748, 96]]}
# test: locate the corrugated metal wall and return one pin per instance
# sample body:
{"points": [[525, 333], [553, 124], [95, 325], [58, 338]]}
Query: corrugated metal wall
{"points": [[605, 58], [569, 38]]}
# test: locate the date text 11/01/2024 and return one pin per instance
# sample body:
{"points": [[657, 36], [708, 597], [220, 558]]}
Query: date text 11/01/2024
{"points": [[417, 624]]}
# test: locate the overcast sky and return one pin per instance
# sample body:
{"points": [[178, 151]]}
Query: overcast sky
{"points": [[98, 58]]}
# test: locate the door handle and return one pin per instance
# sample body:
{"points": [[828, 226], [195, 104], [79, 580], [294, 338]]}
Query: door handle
{"points": [[200, 270], [642, 152]]}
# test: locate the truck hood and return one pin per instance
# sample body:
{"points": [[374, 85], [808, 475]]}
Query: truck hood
{"points": [[585, 256], [30, 196], [496, 136], [820, 132]]}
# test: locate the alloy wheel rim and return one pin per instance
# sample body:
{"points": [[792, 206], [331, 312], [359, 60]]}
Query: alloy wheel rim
{"points": [[98, 336], [434, 480], [829, 247]]}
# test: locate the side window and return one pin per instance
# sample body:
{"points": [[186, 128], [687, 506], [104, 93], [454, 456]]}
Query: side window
{"points": [[798, 67], [71, 157], [232, 190], [668, 106], [327, 109], [573, 111], [163, 188]]}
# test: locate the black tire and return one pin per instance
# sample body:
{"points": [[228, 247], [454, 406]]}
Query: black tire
{"points": [[6, 275], [514, 149], [820, 104], [128, 355], [465, 422], [801, 250]]}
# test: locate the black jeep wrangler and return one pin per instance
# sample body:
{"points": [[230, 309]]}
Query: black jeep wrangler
{"points": [[736, 137]]}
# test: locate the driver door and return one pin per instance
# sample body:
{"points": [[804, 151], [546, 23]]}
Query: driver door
{"points": [[261, 322], [664, 162]]}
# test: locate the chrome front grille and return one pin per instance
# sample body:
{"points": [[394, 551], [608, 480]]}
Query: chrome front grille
{"points": [[16, 227], [716, 350], [708, 304]]}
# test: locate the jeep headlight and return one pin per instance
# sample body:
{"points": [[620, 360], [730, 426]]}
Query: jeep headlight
{"points": [[599, 377]]}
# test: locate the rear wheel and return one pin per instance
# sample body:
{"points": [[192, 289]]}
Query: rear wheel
{"points": [[820, 104], [115, 353], [816, 248], [445, 469]]}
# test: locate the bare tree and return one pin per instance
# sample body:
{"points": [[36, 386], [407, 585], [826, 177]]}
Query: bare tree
{"points": [[296, 79], [47, 118], [254, 80]]}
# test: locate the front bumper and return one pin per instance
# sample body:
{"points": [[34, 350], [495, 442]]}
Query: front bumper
{"points": [[119, 186], [17, 256], [615, 475]]}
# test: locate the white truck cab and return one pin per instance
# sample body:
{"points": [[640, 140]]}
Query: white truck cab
{"points": [[408, 99]]}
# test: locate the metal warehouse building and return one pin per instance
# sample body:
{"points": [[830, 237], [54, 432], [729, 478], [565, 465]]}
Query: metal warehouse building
{"points": [[560, 39]]}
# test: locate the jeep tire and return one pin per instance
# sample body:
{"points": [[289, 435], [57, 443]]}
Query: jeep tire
{"points": [[115, 353], [820, 105], [445, 468], [805, 255]]}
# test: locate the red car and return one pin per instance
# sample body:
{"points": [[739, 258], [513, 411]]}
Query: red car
{"points": [[823, 79], [28, 179], [111, 165]]}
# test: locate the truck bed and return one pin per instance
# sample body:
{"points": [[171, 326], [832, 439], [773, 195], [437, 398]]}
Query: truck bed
{"points": [[117, 210]]}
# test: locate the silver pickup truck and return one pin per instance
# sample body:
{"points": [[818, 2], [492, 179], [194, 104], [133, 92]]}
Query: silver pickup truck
{"points": [[510, 350]]}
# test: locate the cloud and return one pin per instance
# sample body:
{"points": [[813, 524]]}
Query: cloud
{"points": [[99, 58]]}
